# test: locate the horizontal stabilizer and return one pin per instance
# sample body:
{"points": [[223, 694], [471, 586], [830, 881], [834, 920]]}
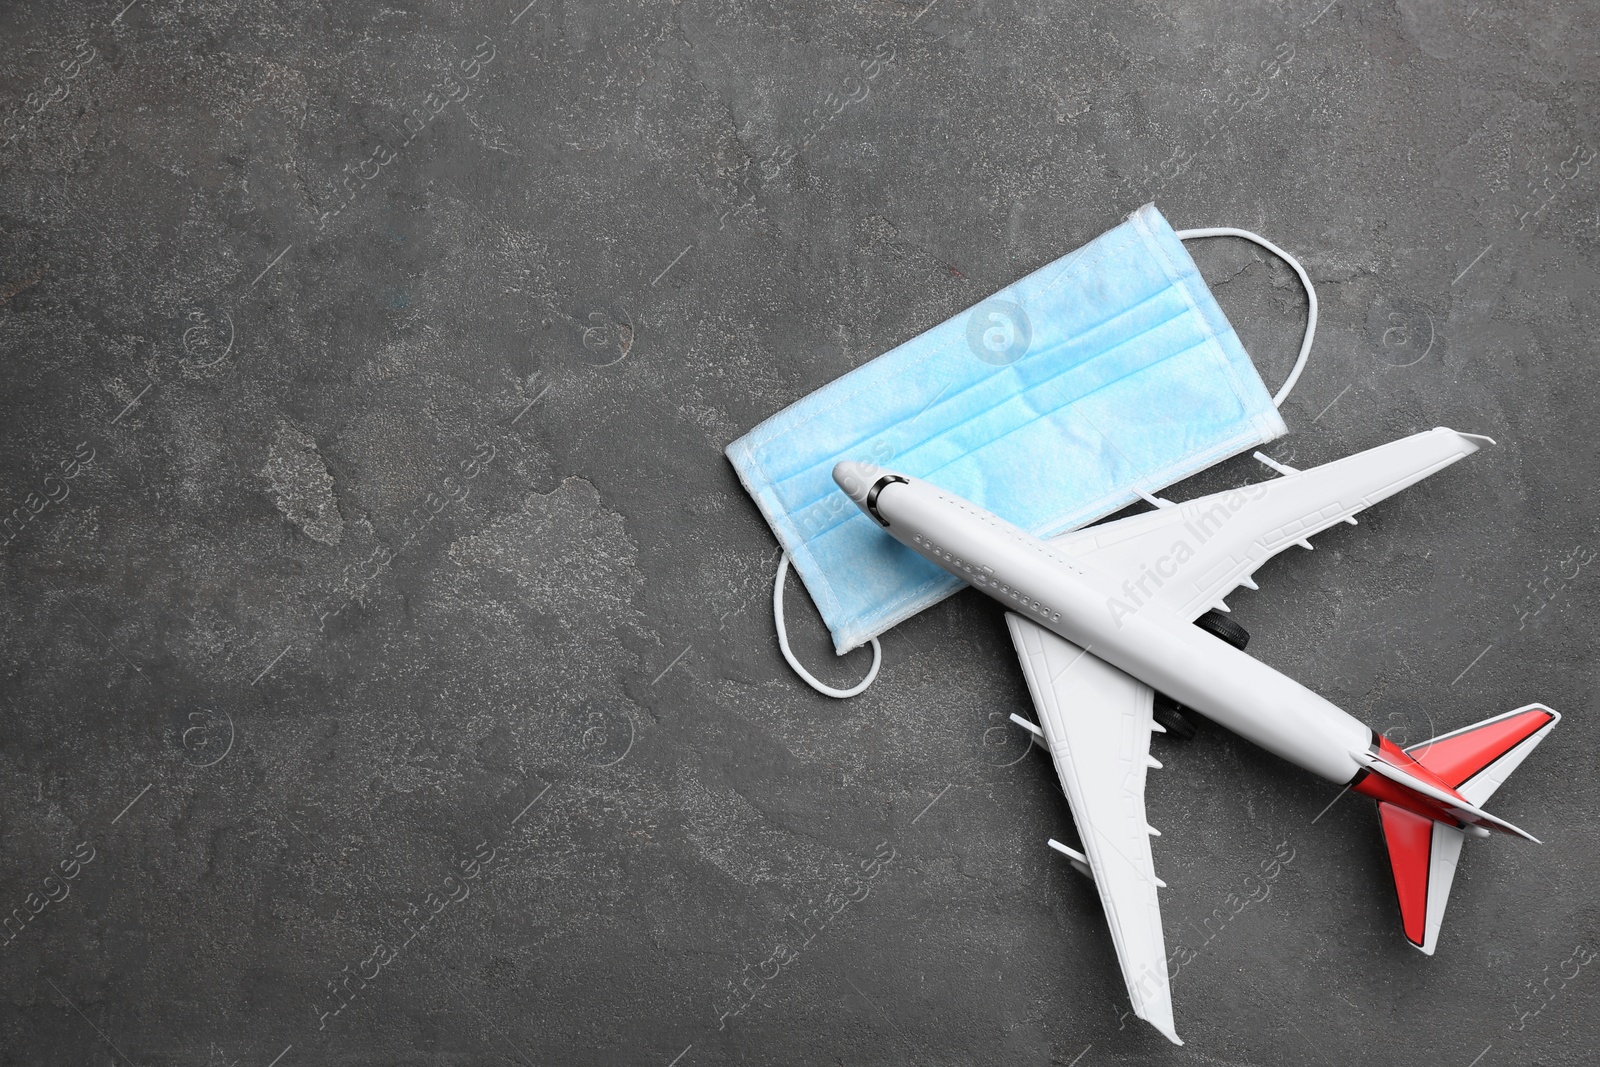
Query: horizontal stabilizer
{"points": [[1477, 759], [1423, 855], [1471, 763]]}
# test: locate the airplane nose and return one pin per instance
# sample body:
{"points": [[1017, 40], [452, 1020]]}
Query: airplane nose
{"points": [[856, 479]]}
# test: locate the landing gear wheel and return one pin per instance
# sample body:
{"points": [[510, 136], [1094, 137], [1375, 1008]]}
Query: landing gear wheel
{"points": [[1217, 624], [1169, 713]]}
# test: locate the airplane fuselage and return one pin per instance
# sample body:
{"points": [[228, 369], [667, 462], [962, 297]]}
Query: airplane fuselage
{"points": [[1088, 608]]}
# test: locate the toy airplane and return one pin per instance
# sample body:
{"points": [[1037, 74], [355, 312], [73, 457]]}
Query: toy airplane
{"points": [[1104, 619]]}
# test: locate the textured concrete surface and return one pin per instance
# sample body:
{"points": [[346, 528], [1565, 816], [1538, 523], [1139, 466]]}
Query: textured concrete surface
{"points": [[388, 672]]}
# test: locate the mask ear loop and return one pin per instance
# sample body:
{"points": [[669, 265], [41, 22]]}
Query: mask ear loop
{"points": [[1305, 280], [783, 644]]}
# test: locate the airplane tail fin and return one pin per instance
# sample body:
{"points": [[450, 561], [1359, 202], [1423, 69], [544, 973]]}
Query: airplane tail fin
{"points": [[1476, 759], [1473, 761]]}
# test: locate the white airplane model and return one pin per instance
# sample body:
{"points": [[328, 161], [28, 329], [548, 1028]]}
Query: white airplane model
{"points": [[1104, 619]]}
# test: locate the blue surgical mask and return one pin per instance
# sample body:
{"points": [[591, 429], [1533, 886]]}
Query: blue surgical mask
{"points": [[1095, 380]]}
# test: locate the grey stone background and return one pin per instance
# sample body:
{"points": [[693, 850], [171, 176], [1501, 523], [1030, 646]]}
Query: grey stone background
{"points": [[371, 556]]}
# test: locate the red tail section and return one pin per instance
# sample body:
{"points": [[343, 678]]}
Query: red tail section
{"points": [[1457, 758], [1423, 837], [1410, 840]]}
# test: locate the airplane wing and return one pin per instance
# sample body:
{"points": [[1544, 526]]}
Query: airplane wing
{"points": [[1187, 557], [1097, 726]]}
